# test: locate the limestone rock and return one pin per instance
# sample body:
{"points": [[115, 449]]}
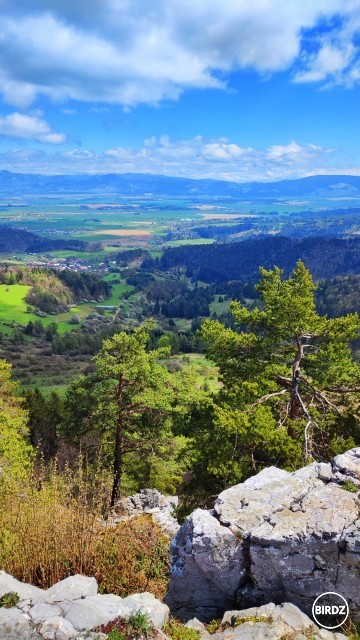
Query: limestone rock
{"points": [[270, 622], [207, 556], [93, 611], [348, 464], [151, 501], [57, 629], [14, 625], [42, 612], [147, 603], [71, 588], [24, 591], [71, 609], [278, 537], [194, 623]]}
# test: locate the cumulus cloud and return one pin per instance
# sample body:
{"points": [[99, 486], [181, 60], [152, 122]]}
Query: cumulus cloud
{"points": [[294, 154], [29, 127], [334, 57], [127, 53], [197, 157]]}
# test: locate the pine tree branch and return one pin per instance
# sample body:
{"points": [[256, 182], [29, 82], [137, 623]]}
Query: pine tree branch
{"points": [[319, 395], [268, 396], [342, 389]]}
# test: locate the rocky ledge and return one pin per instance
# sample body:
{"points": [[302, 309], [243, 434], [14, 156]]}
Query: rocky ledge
{"points": [[269, 622], [72, 609], [69, 610], [278, 537]]}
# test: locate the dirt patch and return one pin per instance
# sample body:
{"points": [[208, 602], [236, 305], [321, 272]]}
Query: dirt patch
{"points": [[226, 216], [139, 233], [206, 207]]}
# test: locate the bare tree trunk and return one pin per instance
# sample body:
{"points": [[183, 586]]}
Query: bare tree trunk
{"points": [[118, 450], [117, 466], [295, 403]]}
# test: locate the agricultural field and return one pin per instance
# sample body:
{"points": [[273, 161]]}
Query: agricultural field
{"points": [[14, 309], [153, 223]]}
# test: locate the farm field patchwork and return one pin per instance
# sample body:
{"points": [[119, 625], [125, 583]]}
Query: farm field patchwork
{"points": [[13, 307]]}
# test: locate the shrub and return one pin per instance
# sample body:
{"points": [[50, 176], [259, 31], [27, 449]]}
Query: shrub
{"points": [[175, 630], [9, 600], [348, 485], [137, 625], [53, 528]]}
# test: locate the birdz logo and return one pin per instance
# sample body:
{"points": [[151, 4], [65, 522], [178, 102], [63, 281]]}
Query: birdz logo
{"points": [[330, 610]]}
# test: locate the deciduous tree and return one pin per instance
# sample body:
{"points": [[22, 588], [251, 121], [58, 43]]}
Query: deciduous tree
{"points": [[15, 450]]}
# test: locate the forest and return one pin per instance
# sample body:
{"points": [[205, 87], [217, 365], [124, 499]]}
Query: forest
{"points": [[200, 371], [325, 257], [22, 240], [262, 357], [280, 388]]}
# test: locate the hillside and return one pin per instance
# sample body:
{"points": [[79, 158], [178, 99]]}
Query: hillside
{"points": [[21, 240], [145, 184], [325, 257], [52, 291]]}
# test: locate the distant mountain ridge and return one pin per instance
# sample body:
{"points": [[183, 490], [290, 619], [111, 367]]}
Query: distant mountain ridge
{"points": [[22, 240], [139, 184]]}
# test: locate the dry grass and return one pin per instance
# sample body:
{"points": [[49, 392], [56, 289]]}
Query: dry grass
{"points": [[53, 528], [131, 558]]}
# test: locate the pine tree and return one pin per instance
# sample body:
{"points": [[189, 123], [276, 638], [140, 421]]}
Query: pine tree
{"points": [[131, 401], [289, 380]]}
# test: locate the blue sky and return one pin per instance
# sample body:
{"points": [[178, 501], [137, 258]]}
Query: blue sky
{"points": [[235, 90]]}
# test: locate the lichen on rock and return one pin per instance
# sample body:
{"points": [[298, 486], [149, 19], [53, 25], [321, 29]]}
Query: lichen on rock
{"points": [[277, 537]]}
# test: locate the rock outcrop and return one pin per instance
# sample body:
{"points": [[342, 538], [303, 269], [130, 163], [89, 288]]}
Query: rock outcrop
{"points": [[278, 537], [150, 501], [69, 610], [269, 622], [72, 609]]}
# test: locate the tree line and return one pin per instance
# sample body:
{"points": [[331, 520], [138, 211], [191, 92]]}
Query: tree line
{"points": [[288, 396], [223, 262]]}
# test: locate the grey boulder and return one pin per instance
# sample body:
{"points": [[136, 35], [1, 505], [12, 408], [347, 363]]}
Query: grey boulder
{"points": [[277, 537]]}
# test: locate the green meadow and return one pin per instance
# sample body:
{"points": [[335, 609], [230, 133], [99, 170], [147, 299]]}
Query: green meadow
{"points": [[118, 289], [13, 307], [13, 310], [12, 303]]}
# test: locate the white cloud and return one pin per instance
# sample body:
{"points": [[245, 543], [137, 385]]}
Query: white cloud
{"points": [[223, 151], [127, 53], [294, 154], [337, 55], [29, 127], [194, 158]]}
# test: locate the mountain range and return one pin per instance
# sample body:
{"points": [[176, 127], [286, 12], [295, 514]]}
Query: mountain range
{"points": [[139, 184]]}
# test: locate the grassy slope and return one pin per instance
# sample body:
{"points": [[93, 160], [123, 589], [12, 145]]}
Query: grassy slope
{"points": [[12, 304], [13, 309]]}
